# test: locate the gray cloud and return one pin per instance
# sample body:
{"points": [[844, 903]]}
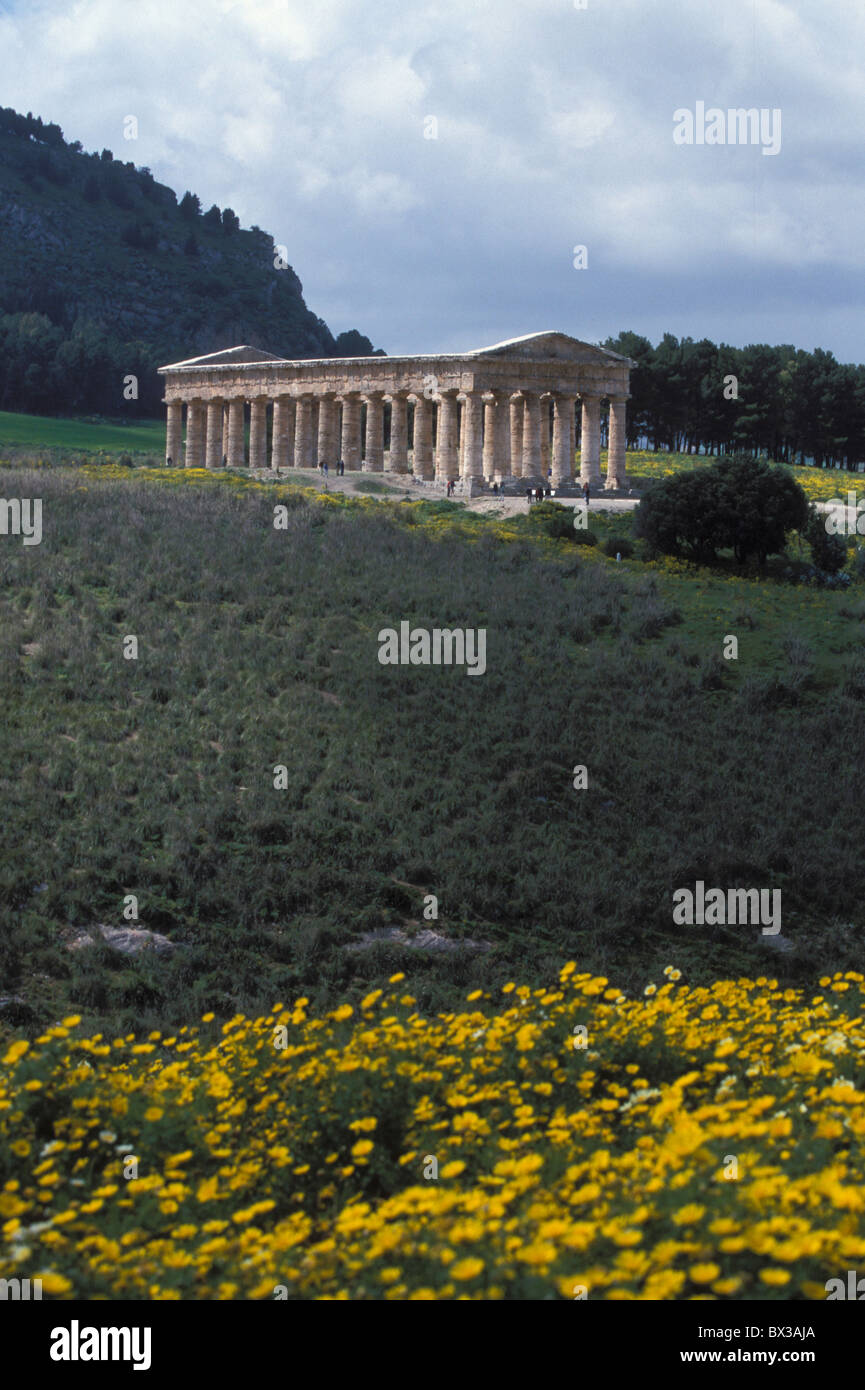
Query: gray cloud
{"points": [[554, 128]]}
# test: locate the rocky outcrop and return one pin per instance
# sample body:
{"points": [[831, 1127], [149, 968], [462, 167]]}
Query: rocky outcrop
{"points": [[130, 941]]}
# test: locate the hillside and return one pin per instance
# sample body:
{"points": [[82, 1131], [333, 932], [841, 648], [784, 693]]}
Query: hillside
{"points": [[104, 271], [258, 648]]}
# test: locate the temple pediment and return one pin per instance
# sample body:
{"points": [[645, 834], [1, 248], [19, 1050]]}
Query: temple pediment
{"points": [[549, 347], [227, 357]]}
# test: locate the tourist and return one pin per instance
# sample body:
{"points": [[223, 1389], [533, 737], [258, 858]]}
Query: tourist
{"points": [[324, 466], [530, 495], [168, 463], [225, 460], [586, 492], [496, 489]]}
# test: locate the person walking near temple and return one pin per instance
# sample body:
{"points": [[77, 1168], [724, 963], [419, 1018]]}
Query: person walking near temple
{"points": [[586, 491]]}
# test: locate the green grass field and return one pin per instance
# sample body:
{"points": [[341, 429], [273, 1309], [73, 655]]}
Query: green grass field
{"points": [[42, 432], [258, 649]]}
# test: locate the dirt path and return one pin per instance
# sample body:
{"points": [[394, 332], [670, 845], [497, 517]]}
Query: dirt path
{"points": [[399, 485]]}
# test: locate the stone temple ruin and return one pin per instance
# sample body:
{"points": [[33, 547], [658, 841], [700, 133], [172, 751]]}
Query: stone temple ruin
{"points": [[504, 414]]}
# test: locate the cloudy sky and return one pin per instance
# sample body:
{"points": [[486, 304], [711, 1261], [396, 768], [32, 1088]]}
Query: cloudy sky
{"points": [[553, 126]]}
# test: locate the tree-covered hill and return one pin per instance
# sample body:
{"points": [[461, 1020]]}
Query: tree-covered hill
{"points": [[105, 272]]}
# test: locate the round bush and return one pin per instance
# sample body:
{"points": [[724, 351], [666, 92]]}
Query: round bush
{"points": [[828, 551], [739, 503], [620, 545], [552, 517]]}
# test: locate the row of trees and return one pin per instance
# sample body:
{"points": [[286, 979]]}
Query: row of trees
{"points": [[45, 370], [783, 402], [49, 370]]}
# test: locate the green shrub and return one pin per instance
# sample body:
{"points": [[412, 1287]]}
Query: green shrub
{"points": [[620, 545], [557, 521], [739, 503], [829, 552]]}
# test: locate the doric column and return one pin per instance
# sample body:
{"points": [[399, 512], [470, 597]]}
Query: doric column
{"points": [[544, 418], [195, 425], [590, 441], [422, 465], [282, 422], [497, 440], [351, 452], [563, 429], [472, 461], [532, 439], [213, 447], [236, 437], [258, 433], [447, 461], [328, 412], [303, 433], [489, 445], [289, 415], [373, 446], [313, 430], [573, 453], [398, 459], [502, 460], [616, 469], [517, 409], [174, 432], [224, 431]]}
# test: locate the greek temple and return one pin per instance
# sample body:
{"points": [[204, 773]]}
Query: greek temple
{"points": [[505, 414]]}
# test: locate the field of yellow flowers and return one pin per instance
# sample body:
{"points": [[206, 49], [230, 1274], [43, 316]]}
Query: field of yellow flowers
{"points": [[691, 1143], [818, 484]]}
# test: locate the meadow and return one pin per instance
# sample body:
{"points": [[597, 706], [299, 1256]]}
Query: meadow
{"points": [[258, 648], [63, 437], [567, 1142], [285, 1145]]}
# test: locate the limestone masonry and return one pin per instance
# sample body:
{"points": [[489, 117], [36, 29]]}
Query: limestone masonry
{"points": [[497, 414]]}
